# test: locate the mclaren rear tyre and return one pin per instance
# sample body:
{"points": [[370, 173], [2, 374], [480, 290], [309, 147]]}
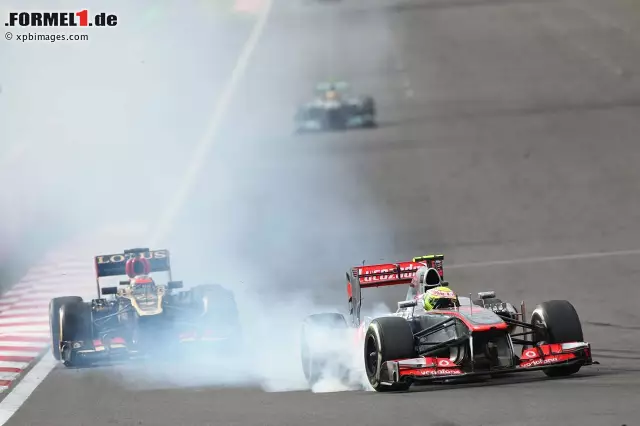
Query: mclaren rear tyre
{"points": [[220, 310], [557, 321], [317, 358], [76, 325], [217, 303], [387, 339], [54, 321]]}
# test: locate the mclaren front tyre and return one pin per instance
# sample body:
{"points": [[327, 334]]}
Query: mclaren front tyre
{"points": [[387, 339], [556, 321]]}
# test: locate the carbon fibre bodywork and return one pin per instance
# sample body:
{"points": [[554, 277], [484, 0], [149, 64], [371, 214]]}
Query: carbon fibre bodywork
{"points": [[140, 318]]}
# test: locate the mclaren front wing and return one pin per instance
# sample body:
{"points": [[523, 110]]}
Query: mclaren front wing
{"points": [[426, 369]]}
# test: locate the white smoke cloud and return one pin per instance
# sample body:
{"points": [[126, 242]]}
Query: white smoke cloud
{"points": [[271, 358]]}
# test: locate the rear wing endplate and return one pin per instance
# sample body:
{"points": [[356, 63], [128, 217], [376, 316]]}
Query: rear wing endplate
{"points": [[385, 274]]}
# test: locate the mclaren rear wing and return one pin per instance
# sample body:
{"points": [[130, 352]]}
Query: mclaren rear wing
{"points": [[385, 274]]}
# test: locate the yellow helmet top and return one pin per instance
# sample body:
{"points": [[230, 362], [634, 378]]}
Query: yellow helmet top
{"points": [[439, 298]]}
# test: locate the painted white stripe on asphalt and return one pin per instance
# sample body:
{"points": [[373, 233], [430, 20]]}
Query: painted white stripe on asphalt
{"points": [[57, 276], [576, 256], [37, 298], [32, 354], [14, 399], [37, 312], [23, 344], [21, 329], [13, 364], [23, 285], [26, 333], [17, 292], [7, 321], [8, 376]]}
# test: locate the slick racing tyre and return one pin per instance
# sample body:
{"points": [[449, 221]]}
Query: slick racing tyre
{"points": [[369, 108], [557, 321], [217, 304], [387, 339], [219, 310], [54, 321], [76, 325], [316, 356]]}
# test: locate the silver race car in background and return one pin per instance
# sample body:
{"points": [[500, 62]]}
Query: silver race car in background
{"points": [[335, 108]]}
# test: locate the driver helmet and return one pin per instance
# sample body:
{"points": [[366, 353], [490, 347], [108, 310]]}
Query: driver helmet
{"points": [[331, 94], [440, 298], [143, 280]]}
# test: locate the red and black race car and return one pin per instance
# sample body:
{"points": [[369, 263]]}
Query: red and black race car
{"points": [[142, 315], [474, 337]]}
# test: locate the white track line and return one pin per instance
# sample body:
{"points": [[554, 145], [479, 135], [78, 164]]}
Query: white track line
{"points": [[17, 397], [207, 141], [577, 256], [14, 399], [23, 344]]}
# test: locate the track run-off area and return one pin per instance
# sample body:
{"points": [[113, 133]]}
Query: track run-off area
{"points": [[507, 140]]}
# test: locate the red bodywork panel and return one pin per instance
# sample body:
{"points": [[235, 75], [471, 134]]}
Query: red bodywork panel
{"points": [[547, 354], [386, 274], [429, 366], [531, 358]]}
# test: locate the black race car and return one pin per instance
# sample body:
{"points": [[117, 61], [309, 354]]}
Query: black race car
{"points": [[334, 108], [142, 315]]}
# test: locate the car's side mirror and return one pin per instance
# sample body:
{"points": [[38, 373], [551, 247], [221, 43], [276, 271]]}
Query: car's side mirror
{"points": [[174, 284], [407, 304], [487, 294], [109, 290]]}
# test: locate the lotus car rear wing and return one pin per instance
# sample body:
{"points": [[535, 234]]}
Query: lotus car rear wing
{"points": [[111, 265], [385, 274]]}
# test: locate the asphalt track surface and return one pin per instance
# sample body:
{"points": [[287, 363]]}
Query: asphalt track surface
{"points": [[508, 130]]}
